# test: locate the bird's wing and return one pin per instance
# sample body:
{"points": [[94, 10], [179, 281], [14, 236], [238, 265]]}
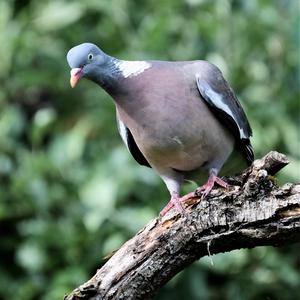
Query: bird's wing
{"points": [[225, 106], [130, 143]]}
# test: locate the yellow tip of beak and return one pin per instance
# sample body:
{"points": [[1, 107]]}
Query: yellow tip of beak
{"points": [[73, 81], [75, 76]]}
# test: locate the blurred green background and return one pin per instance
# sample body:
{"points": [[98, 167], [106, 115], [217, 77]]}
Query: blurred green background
{"points": [[70, 192]]}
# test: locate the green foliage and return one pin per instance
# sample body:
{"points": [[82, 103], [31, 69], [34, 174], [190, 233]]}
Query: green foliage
{"points": [[70, 193]]}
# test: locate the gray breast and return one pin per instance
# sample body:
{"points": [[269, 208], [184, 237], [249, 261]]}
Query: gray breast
{"points": [[170, 122]]}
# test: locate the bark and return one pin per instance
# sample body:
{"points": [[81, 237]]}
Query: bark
{"points": [[252, 212]]}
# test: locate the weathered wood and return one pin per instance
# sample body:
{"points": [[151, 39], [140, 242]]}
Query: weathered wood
{"points": [[252, 212]]}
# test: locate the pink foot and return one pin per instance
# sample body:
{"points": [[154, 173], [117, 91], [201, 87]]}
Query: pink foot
{"points": [[206, 188], [174, 201]]}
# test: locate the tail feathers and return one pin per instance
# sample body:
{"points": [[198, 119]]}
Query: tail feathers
{"points": [[241, 157], [247, 151]]}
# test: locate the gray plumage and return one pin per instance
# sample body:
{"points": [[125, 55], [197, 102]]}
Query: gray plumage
{"points": [[180, 118]]}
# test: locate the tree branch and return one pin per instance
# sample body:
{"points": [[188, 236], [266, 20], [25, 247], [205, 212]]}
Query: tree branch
{"points": [[252, 212]]}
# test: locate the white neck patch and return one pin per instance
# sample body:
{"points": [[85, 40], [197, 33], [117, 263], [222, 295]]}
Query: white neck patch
{"points": [[132, 68]]}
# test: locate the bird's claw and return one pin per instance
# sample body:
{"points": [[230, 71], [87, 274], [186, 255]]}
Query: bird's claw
{"points": [[206, 188], [174, 201], [203, 190]]}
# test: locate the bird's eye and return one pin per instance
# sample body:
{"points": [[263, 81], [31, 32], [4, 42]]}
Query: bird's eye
{"points": [[90, 56]]}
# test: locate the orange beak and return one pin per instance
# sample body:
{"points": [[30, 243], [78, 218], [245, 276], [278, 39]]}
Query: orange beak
{"points": [[75, 76]]}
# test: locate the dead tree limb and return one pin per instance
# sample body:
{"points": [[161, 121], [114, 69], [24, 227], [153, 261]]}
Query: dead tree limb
{"points": [[254, 211]]}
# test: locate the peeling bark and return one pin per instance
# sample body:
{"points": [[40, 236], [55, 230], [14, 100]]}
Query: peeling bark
{"points": [[252, 212]]}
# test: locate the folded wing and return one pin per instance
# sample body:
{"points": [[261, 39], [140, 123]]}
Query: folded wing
{"points": [[227, 109]]}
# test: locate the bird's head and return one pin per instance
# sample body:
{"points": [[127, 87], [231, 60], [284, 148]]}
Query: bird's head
{"points": [[85, 60]]}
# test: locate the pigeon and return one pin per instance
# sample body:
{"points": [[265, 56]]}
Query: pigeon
{"points": [[180, 118]]}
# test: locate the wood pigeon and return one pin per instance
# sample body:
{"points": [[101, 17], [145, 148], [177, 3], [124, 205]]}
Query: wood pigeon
{"points": [[180, 118]]}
